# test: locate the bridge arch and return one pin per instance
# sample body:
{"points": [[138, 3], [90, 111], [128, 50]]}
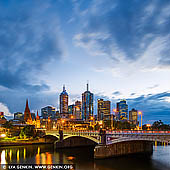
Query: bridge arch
{"points": [[51, 138], [76, 141], [90, 138]]}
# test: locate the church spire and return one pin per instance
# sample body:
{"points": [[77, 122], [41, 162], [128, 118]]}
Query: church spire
{"points": [[27, 114], [27, 107], [38, 115]]}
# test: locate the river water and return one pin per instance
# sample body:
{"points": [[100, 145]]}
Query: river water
{"points": [[83, 158]]}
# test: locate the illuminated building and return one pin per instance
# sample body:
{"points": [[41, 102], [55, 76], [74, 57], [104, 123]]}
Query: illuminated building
{"points": [[71, 109], [1, 115], [123, 110], [87, 105], [48, 111], [2, 118], [77, 110], [133, 116], [117, 111], [18, 116], [103, 109], [38, 124], [64, 101], [27, 114]]}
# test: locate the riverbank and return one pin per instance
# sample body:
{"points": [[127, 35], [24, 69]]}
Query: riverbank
{"points": [[24, 142]]}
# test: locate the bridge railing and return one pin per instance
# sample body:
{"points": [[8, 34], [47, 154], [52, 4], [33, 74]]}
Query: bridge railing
{"points": [[123, 132]]}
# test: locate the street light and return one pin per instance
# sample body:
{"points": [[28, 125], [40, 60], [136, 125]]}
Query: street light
{"points": [[148, 126], [140, 113], [3, 135], [100, 123]]}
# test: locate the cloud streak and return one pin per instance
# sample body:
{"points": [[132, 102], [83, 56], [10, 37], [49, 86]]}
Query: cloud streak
{"points": [[132, 28]]}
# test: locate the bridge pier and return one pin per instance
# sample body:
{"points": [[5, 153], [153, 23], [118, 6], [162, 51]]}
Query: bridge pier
{"points": [[123, 148]]}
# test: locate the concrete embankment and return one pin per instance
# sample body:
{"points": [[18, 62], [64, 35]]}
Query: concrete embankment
{"points": [[123, 148]]}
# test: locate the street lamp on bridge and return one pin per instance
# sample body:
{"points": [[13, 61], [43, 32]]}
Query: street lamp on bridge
{"points": [[140, 113]]}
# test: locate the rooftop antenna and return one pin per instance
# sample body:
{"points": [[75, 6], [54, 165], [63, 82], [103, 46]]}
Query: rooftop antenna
{"points": [[63, 87], [87, 85]]}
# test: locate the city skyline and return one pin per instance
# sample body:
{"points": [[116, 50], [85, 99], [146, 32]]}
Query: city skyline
{"points": [[122, 51]]}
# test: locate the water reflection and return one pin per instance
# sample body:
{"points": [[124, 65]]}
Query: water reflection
{"points": [[83, 158]]}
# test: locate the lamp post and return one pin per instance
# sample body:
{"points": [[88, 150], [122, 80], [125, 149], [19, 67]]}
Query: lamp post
{"points": [[140, 113]]}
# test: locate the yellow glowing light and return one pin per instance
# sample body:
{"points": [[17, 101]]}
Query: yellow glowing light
{"points": [[24, 153], [10, 154], [3, 135], [63, 121], [140, 113], [101, 122], [70, 158], [114, 110], [148, 125], [72, 117], [91, 118], [3, 159], [18, 155]]}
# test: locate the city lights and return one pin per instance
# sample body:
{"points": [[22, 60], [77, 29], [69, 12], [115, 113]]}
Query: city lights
{"points": [[3, 135]]}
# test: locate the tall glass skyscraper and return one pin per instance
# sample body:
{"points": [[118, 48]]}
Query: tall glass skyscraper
{"points": [[87, 104], [64, 101], [123, 110]]}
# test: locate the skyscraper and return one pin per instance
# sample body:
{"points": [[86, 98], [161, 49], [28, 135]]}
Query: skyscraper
{"points": [[77, 110], [103, 109], [27, 114], [133, 116], [64, 101], [71, 109], [123, 110], [87, 104], [48, 111]]}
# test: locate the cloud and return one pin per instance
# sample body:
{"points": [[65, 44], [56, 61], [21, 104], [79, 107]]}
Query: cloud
{"points": [[153, 106], [29, 41], [4, 108], [117, 93], [127, 31], [152, 87]]}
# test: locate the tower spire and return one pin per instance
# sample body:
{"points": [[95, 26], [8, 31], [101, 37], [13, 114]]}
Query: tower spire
{"points": [[37, 115], [87, 85], [64, 87]]}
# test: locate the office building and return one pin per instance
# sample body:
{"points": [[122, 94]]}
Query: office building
{"points": [[71, 109], [122, 108], [103, 109], [87, 104], [133, 116], [18, 116], [77, 110], [48, 111], [64, 101]]}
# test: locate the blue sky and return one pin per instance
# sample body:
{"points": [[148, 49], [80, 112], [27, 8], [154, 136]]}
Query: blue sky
{"points": [[121, 47]]}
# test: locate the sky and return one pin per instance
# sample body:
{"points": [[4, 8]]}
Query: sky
{"points": [[121, 47]]}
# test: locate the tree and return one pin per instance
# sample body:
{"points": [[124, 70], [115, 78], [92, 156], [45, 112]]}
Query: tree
{"points": [[8, 125], [28, 131]]}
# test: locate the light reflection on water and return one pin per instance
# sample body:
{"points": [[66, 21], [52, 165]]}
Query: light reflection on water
{"points": [[83, 158]]}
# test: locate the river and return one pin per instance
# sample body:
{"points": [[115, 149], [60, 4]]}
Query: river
{"points": [[83, 158]]}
